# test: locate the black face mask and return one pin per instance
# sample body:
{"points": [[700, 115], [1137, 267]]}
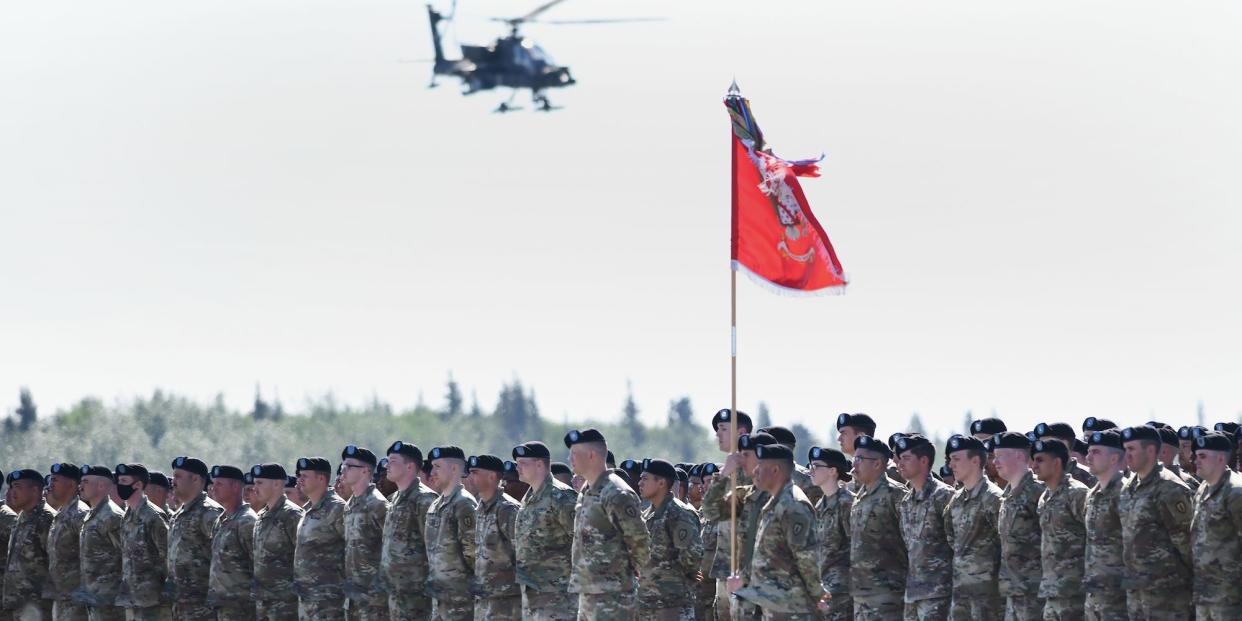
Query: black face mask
{"points": [[125, 490]]}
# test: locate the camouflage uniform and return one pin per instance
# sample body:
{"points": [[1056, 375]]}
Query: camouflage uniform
{"points": [[449, 534], [666, 583], [366, 600], [1216, 540], [970, 525], [1063, 534], [750, 501], [495, 575], [275, 536], [802, 478], [878, 561], [705, 589], [543, 535], [26, 571], [64, 564], [929, 583], [189, 557], [403, 559], [7, 519], [1020, 568], [610, 544], [232, 565], [1155, 531], [144, 563], [319, 560], [785, 569], [832, 531], [1190, 480], [1080, 473], [99, 544], [1104, 564]]}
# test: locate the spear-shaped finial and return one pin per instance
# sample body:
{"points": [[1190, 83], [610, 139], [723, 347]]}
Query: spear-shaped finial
{"points": [[734, 91]]}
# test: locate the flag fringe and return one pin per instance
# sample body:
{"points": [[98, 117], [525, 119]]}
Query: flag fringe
{"points": [[787, 291]]}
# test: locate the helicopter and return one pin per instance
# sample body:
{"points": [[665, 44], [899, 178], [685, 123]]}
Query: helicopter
{"points": [[513, 61]]}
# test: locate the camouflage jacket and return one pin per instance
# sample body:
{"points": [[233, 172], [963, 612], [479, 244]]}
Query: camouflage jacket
{"points": [[319, 559], [403, 559], [1216, 537], [7, 519], [543, 536], [667, 580], [715, 507], [785, 573], [189, 548], [929, 554], [144, 556], [1104, 565], [970, 525], [802, 478], [1018, 526], [232, 559], [1155, 532], [832, 530], [364, 543], [99, 546], [877, 553], [450, 540], [64, 563], [1190, 480], [1080, 473], [610, 540], [495, 570], [1063, 537], [275, 538], [708, 535], [25, 573]]}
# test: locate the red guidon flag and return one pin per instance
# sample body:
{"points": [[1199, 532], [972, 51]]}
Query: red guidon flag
{"points": [[776, 238]]}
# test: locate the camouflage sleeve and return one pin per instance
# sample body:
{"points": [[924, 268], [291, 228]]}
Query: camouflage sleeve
{"points": [[629, 521], [113, 533], [506, 521], [246, 534], [895, 506], [376, 517], [290, 527], [800, 537], [210, 518], [1233, 504], [337, 520], [947, 517], [159, 536], [565, 518], [715, 504], [685, 536], [1175, 503], [1078, 505], [466, 533]]}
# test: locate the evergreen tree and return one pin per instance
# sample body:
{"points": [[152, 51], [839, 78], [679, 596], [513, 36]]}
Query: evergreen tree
{"points": [[629, 414], [261, 411], [453, 401], [27, 412], [967, 421], [763, 418], [916, 425], [805, 439], [475, 410], [680, 412]]}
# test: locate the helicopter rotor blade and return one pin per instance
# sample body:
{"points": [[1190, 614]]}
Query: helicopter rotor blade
{"points": [[538, 11], [619, 20]]}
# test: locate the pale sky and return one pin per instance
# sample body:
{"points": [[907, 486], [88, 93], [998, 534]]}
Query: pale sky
{"points": [[1037, 203]]}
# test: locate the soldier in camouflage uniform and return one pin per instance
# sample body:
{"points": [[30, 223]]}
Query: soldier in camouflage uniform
{"points": [[232, 549], [666, 584], [610, 541], [8, 518], [64, 567], [705, 589], [495, 584], [99, 543], [1104, 564], [878, 557], [1216, 531], [929, 583], [275, 536], [1155, 528], [543, 535], [319, 558], [970, 521], [750, 501], [721, 565], [1062, 530], [983, 430], [1169, 449], [450, 537], [189, 541], [830, 470], [366, 599], [25, 572], [1186, 451], [1064, 433], [403, 559], [144, 548], [801, 477], [1018, 526]]}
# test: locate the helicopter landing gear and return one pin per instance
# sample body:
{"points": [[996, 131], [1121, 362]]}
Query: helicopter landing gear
{"points": [[541, 102], [507, 106]]}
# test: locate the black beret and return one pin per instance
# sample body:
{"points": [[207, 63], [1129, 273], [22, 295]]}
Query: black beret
{"points": [[1140, 432], [782, 435], [1055, 430], [381, 469], [509, 471], [964, 443], [248, 478], [1110, 438], [275, 472], [447, 452], [945, 472], [1010, 439], [359, 453], [831, 457], [584, 436], [748, 442], [408, 450], [534, 449], [722, 416], [560, 467], [988, 425], [1214, 441], [313, 464], [1191, 432], [610, 460], [892, 440], [96, 471], [486, 462], [1155, 423], [228, 472], [682, 475], [27, 474], [660, 468], [1226, 428], [66, 469], [868, 443], [138, 471], [861, 421], [710, 469], [159, 479], [775, 451], [1092, 423], [290, 481], [193, 465], [913, 441], [1052, 448], [696, 471], [1167, 435], [1080, 447], [632, 468]]}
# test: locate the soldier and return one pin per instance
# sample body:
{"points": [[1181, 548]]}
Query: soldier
{"points": [[1104, 565], [275, 536], [720, 563], [929, 583], [801, 477], [1186, 450], [189, 540], [232, 545], [64, 567], [666, 584], [1216, 531], [7, 519], [510, 484], [403, 559], [543, 535], [1091, 424], [319, 558], [970, 524], [1155, 529], [878, 557], [383, 484], [1169, 449], [705, 588], [99, 544], [144, 548], [562, 472], [830, 470], [983, 430], [26, 569], [292, 492], [338, 484], [159, 490], [365, 599], [716, 506], [785, 576], [610, 541], [1062, 530], [1063, 433], [495, 584], [450, 536], [1018, 527]]}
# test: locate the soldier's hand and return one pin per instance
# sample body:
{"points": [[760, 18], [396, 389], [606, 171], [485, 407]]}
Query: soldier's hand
{"points": [[733, 583], [732, 464], [698, 576], [824, 602]]}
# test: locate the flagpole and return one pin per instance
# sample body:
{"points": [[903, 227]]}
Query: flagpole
{"points": [[733, 90]]}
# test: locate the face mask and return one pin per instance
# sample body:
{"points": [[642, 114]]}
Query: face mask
{"points": [[124, 491]]}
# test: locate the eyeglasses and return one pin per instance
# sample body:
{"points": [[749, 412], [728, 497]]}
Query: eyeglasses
{"points": [[861, 458]]}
